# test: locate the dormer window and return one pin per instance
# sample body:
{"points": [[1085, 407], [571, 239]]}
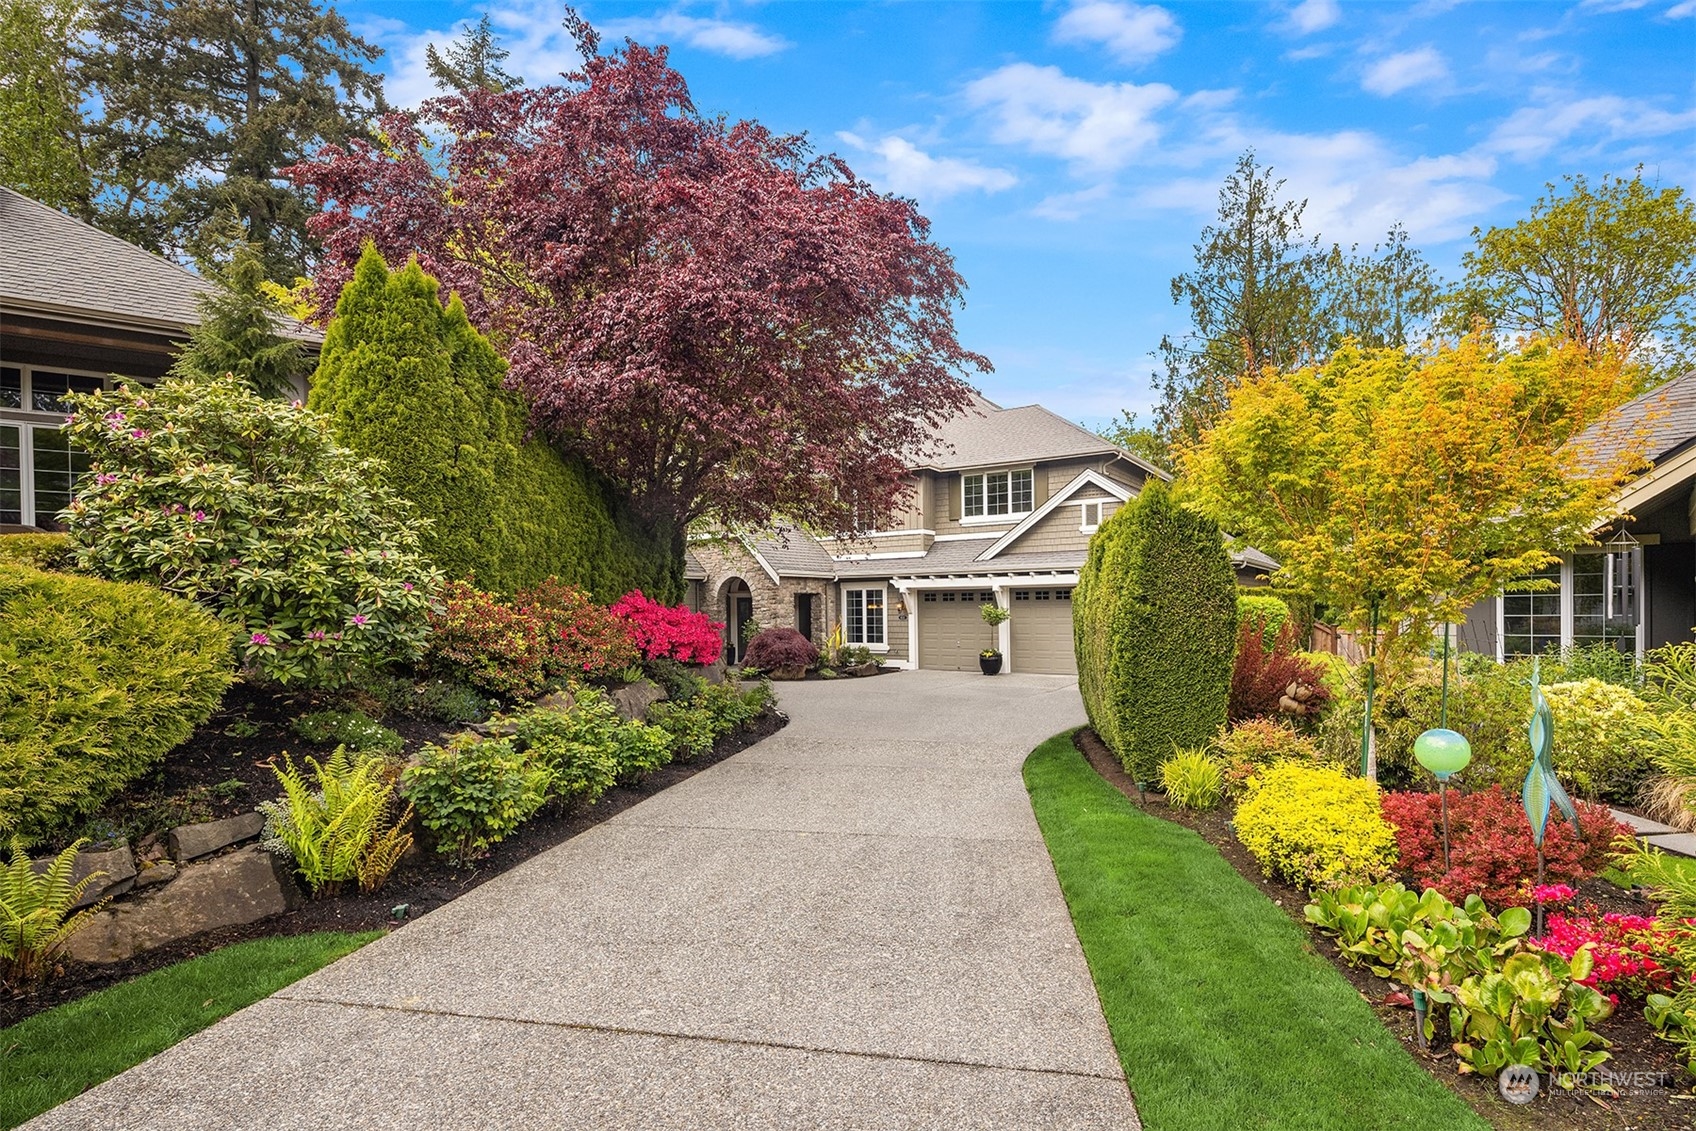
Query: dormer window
{"points": [[997, 494]]}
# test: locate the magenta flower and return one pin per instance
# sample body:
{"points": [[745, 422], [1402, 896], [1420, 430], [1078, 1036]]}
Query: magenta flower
{"points": [[105, 479], [259, 638], [1551, 893], [315, 634], [407, 586], [200, 516], [358, 620], [139, 434], [235, 561], [115, 419]]}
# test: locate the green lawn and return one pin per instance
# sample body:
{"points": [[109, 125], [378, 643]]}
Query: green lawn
{"points": [[1223, 1016], [48, 1058]]}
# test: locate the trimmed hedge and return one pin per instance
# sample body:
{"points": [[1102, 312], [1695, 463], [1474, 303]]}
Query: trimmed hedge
{"points": [[1271, 611], [38, 551], [98, 681], [1155, 620], [415, 384]]}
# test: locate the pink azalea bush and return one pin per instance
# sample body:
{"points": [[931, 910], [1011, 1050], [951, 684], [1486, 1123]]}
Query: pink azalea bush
{"points": [[670, 632], [1634, 954]]}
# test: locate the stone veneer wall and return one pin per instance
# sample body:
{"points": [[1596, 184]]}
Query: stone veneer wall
{"points": [[774, 602]]}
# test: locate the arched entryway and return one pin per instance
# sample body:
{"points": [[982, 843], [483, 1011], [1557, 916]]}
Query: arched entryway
{"points": [[735, 605]]}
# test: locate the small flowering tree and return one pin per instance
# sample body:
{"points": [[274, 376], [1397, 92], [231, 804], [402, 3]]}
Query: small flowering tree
{"points": [[248, 507], [670, 632]]}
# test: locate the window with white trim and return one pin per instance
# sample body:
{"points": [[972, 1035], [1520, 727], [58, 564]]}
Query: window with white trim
{"points": [[997, 494], [39, 468], [863, 616], [1089, 516], [1588, 598]]}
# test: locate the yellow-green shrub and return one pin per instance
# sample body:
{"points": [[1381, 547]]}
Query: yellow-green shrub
{"points": [[1315, 826], [98, 680], [38, 551], [1192, 780], [1601, 738]]}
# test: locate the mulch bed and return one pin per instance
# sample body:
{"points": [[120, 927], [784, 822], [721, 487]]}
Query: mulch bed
{"points": [[224, 769], [1659, 1100]]}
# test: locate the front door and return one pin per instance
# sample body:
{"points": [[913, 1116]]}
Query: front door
{"points": [[804, 614], [744, 614]]}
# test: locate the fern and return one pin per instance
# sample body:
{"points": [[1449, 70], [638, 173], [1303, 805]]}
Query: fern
{"points": [[33, 911], [340, 830]]}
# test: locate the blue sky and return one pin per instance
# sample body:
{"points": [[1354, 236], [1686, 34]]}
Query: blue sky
{"points": [[1069, 153]]}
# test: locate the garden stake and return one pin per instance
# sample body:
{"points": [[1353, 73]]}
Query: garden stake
{"points": [[1441, 750], [1419, 1020], [1368, 763], [1542, 790]]}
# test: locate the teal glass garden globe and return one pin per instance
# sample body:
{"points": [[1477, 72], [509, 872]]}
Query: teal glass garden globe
{"points": [[1443, 752]]}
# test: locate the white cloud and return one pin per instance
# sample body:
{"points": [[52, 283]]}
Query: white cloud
{"points": [[1134, 33], [904, 168], [1099, 126], [1533, 131], [1396, 73], [1072, 205], [541, 49], [1313, 15], [723, 37], [1682, 11]]}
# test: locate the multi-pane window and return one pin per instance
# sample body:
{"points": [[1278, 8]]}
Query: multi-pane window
{"points": [[1592, 599], [1531, 622], [990, 494], [862, 616], [39, 468]]}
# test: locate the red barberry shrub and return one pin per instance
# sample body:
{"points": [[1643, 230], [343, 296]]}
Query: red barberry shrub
{"points": [[1490, 847], [775, 649], [670, 632], [1261, 676], [548, 633]]}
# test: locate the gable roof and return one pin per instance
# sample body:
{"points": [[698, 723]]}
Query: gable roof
{"points": [[58, 266], [1663, 419], [987, 435], [1085, 478]]}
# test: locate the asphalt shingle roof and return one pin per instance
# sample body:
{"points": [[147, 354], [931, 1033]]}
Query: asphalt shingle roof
{"points": [[1664, 419], [57, 264], [987, 435]]}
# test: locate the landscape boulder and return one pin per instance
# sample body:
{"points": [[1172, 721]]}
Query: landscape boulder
{"points": [[114, 862], [634, 699], [190, 842]]}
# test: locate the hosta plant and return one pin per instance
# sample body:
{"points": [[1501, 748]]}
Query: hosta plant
{"points": [[1192, 780], [35, 912], [340, 827]]}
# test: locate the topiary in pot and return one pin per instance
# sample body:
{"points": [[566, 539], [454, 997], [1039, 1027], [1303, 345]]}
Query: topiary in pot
{"points": [[989, 660], [781, 653]]}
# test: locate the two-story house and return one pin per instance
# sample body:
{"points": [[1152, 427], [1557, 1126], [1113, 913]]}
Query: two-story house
{"points": [[1003, 513]]}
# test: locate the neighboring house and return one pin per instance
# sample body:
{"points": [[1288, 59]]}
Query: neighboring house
{"points": [[77, 307], [1003, 513], [1635, 589]]}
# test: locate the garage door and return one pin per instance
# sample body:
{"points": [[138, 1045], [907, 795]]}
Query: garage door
{"points": [[1042, 632], [951, 629]]}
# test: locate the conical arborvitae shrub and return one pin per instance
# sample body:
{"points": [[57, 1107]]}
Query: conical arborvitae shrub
{"points": [[413, 383]]}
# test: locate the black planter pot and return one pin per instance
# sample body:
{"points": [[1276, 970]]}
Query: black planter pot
{"points": [[991, 665]]}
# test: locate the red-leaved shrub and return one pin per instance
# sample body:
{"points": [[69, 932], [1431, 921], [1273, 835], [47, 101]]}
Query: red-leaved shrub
{"points": [[670, 632], [548, 633], [775, 649], [1262, 676], [1490, 847]]}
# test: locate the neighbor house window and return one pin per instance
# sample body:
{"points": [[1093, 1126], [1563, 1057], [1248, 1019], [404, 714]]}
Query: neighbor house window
{"points": [[1577, 609], [994, 494], [862, 616], [1090, 518], [39, 468]]}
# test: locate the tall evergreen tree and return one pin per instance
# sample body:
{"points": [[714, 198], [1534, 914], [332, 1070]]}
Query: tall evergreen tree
{"points": [[414, 383], [201, 104], [237, 332], [41, 153], [472, 62]]}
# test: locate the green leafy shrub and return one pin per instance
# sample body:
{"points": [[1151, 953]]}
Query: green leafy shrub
{"points": [[1372, 924], [444, 700], [246, 506], [37, 551], [340, 827], [680, 683], [473, 793], [413, 383], [350, 729], [1601, 740], [590, 747], [98, 681], [35, 912], [1245, 749], [691, 729], [1155, 618], [1314, 826], [1192, 780], [1267, 610]]}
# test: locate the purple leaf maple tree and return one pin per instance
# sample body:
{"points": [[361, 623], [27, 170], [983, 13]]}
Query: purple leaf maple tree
{"points": [[728, 325]]}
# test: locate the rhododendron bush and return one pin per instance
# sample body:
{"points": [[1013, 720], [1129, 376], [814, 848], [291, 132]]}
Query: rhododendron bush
{"points": [[246, 506], [1490, 847], [670, 632], [550, 633], [727, 324]]}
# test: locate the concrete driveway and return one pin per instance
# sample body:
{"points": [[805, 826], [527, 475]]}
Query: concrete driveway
{"points": [[853, 924]]}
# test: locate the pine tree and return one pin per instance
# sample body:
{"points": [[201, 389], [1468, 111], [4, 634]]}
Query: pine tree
{"points": [[472, 62], [237, 332], [201, 105]]}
